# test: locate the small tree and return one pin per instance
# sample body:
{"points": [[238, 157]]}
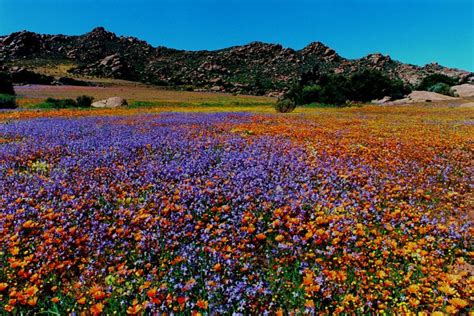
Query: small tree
{"points": [[6, 86], [285, 106], [84, 101], [7, 101]]}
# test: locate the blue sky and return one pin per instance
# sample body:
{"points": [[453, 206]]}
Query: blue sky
{"points": [[414, 31]]}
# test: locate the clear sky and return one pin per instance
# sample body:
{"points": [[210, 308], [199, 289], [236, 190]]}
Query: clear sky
{"points": [[413, 31]]}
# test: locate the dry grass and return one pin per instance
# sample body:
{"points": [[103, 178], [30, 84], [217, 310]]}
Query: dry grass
{"points": [[31, 94]]}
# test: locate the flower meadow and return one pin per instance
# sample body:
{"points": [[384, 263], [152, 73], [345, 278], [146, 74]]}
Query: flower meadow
{"points": [[221, 213]]}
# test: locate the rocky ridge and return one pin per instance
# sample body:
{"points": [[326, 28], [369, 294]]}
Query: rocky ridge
{"points": [[255, 68]]}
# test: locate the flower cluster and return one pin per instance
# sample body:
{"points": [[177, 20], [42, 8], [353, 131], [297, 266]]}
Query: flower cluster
{"points": [[245, 213]]}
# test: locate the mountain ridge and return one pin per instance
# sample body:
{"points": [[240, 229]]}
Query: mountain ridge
{"points": [[253, 68]]}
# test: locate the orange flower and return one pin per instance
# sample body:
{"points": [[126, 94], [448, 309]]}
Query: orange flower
{"points": [[202, 304], [55, 299], [31, 291], [32, 301], [309, 304], [279, 238], [308, 278], [14, 251], [135, 309], [3, 286], [97, 308], [9, 308], [217, 267], [81, 301], [381, 274], [151, 293], [413, 289], [261, 236], [29, 224], [96, 292]]}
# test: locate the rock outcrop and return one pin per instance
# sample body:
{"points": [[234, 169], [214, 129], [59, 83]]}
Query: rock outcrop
{"points": [[416, 97], [464, 90]]}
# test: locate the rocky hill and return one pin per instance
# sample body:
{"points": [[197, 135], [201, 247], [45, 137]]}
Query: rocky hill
{"points": [[255, 68]]}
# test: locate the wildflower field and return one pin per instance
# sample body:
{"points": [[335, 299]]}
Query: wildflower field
{"points": [[358, 210]]}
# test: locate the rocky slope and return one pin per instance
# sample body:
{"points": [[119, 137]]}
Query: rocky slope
{"points": [[255, 68]]}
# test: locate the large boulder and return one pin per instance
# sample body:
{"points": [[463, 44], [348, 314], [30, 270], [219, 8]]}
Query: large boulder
{"points": [[464, 90], [113, 102]]}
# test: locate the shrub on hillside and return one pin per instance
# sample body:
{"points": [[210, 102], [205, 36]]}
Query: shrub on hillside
{"points": [[431, 80], [7, 101], [262, 84], [84, 101], [441, 88], [285, 106], [6, 86]]}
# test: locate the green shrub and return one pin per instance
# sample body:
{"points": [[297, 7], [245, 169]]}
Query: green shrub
{"points": [[84, 101], [6, 86], [61, 103], [7, 101], [68, 103], [430, 80], [368, 85], [441, 88], [337, 89], [311, 93], [285, 106]]}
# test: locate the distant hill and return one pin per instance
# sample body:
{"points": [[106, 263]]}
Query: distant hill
{"points": [[255, 68]]}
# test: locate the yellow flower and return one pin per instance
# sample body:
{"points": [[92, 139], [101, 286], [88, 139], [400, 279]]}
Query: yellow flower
{"points": [[446, 289], [413, 289], [458, 302], [279, 238], [451, 309]]}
